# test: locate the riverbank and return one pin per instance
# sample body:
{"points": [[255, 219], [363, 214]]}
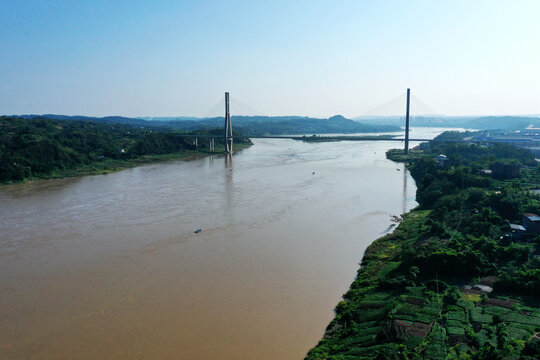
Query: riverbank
{"points": [[361, 317], [107, 166], [43, 148], [451, 281]]}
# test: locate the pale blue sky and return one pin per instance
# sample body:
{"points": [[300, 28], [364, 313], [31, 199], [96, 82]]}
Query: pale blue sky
{"points": [[317, 58]]}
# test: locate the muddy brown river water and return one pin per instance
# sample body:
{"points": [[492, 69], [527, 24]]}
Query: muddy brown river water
{"points": [[109, 266]]}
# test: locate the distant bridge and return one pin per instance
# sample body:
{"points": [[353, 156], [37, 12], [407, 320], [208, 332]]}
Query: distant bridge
{"points": [[229, 137], [367, 138]]}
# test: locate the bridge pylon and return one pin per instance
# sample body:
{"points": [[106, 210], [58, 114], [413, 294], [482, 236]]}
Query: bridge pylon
{"points": [[228, 127], [406, 151]]}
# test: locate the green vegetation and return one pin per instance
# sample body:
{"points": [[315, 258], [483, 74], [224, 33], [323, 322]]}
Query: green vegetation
{"points": [[41, 148], [423, 292]]}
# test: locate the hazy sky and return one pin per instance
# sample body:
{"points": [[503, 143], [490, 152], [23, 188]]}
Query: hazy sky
{"points": [[316, 58]]}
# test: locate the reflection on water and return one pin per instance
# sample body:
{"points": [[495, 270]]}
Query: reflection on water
{"points": [[109, 266], [405, 194]]}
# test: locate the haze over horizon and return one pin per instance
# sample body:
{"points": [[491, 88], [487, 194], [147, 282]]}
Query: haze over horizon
{"points": [[308, 58]]}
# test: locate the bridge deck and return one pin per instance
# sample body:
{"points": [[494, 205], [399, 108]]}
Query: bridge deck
{"points": [[365, 138]]}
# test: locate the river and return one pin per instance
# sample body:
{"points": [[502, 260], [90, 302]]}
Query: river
{"points": [[109, 266]]}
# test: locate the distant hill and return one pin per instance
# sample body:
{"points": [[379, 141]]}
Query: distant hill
{"points": [[470, 122], [294, 125], [169, 118], [106, 119], [248, 125], [502, 123]]}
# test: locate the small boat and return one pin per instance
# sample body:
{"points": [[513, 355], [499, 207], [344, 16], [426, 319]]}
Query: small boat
{"points": [[398, 169], [198, 231]]}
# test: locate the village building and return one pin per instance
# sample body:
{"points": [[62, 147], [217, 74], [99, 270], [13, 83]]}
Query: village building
{"points": [[442, 160], [531, 222], [516, 231]]}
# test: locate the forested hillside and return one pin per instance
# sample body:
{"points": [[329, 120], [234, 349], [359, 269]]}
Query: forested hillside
{"points": [[40, 147], [455, 280]]}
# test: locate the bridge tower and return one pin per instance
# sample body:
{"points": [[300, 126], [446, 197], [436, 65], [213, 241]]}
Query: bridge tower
{"points": [[407, 123], [228, 127]]}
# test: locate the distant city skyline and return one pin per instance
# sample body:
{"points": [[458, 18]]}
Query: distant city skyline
{"points": [[307, 58]]}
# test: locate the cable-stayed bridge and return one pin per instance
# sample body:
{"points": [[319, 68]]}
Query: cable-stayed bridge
{"points": [[400, 104]]}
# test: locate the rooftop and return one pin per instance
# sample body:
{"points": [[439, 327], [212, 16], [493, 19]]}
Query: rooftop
{"points": [[517, 227], [441, 157], [532, 217]]}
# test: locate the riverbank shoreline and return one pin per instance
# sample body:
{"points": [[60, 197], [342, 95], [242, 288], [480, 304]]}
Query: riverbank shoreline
{"points": [[109, 166], [375, 265], [453, 281]]}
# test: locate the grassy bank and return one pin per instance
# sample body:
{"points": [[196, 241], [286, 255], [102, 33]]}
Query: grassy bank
{"points": [[397, 155]]}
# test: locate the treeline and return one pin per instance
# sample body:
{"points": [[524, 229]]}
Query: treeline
{"points": [[472, 210], [249, 125], [37, 147], [412, 298]]}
